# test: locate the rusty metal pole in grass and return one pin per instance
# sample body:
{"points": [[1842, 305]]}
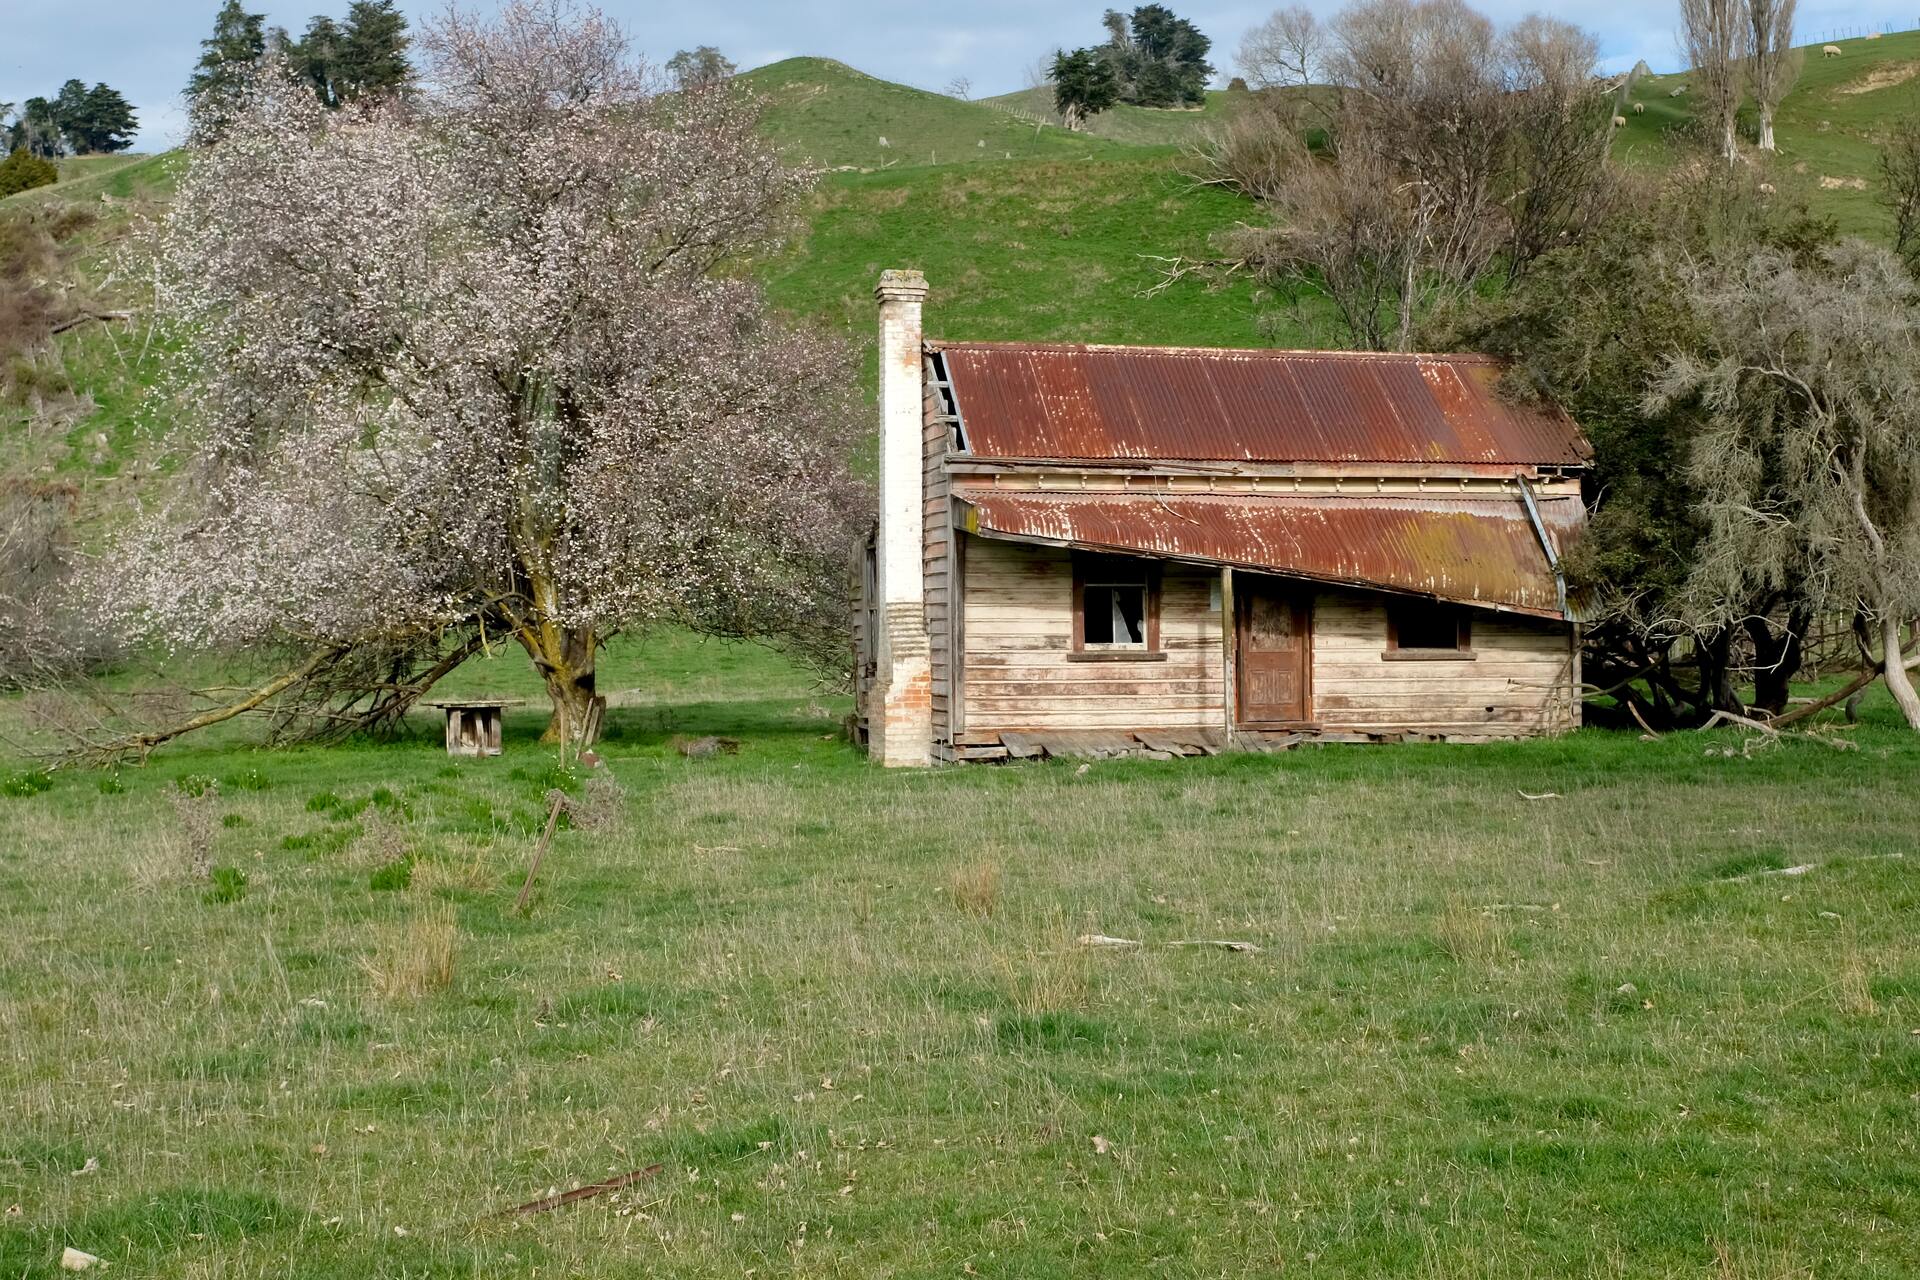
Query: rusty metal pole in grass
{"points": [[558, 799]]}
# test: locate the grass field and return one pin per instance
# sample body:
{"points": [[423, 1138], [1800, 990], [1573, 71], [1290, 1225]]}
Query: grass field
{"points": [[846, 1011]]}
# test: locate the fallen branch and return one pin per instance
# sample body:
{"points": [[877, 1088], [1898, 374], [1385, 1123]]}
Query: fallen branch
{"points": [[1838, 744], [1815, 707], [578, 1194], [87, 317], [1179, 267], [1544, 795], [144, 743], [1224, 944]]}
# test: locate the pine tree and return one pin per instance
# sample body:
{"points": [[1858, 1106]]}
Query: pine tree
{"points": [[1157, 58], [70, 115], [226, 58], [315, 58], [111, 121], [373, 52], [1083, 85]]}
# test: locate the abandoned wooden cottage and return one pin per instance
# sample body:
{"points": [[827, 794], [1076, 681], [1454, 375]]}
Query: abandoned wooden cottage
{"points": [[1096, 549]]}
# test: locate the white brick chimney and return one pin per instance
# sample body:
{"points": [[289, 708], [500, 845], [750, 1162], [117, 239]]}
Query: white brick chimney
{"points": [[900, 710]]}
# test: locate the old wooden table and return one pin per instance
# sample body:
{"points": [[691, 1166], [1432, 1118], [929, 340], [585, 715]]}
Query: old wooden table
{"points": [[473, 724]]}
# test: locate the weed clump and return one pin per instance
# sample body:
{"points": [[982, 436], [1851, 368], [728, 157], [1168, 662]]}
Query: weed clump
{"points": [[601, 804], [976, 889], [229, 884], [195, 801], [416, 959], [30, 782], [391, 877]]}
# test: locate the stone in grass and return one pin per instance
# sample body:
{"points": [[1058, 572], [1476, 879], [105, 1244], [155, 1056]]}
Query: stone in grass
{"points": [[72, 1259]]}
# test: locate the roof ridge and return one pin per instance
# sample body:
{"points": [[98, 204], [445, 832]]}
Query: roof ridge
{"points": [[1451, 357]]}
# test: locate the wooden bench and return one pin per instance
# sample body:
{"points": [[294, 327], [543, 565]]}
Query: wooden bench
{"points": [[473, 724]]}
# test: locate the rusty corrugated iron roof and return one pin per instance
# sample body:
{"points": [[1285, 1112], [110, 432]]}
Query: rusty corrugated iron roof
{"points": [[1474, 551], [1043, 401]]}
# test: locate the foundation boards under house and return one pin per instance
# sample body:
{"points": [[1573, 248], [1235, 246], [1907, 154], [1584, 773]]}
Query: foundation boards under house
{"points": [[1094, 550]]}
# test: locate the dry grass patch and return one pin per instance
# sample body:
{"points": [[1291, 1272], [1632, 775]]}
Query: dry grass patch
{"points": [[1471, 935], [416, 959], [976, 889]]}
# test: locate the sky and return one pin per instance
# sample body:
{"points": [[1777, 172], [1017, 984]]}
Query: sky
{"points": [[146, 48]]}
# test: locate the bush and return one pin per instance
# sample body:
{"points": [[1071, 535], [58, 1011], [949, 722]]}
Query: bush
{"points": [[23, 171], [45, 635]]}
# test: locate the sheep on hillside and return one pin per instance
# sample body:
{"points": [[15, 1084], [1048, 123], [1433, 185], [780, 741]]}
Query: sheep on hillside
{"points": [[1830, 51], [1619, 121], [1873, 35], [1639, 108]]}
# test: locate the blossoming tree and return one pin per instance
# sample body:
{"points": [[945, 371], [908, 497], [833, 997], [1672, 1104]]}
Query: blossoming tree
{"points": [[483, 367]]}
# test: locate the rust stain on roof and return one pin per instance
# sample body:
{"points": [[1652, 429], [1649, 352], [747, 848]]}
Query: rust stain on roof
{"points": [[1046, 401], [1474, 551]]}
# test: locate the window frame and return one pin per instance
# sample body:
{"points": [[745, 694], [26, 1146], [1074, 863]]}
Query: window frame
{"points": [[1090, 569], [1462, 650]]}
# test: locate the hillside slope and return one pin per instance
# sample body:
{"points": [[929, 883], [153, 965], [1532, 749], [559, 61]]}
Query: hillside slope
{"points": [[825, 113], [1829, 129], [1147, 125]]}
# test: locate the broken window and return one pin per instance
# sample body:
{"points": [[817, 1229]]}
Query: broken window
{"points": [[1428, 630], [1115, 605]]}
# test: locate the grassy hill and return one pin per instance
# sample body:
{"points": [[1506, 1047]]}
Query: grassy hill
{"points": [[1828, 130], [1147, 125], [825, 113]]}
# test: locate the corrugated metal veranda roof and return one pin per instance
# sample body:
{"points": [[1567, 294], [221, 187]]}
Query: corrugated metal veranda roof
{"points": [[1478, 551], [1044, 401]]}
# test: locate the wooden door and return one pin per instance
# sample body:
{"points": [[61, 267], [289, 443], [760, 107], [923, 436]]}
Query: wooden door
{"points": [[1275, 644]]}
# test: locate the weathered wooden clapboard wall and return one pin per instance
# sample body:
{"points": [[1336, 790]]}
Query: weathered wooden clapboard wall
{"points": [[1016, 630], [1519, 681], [1018, 633]]}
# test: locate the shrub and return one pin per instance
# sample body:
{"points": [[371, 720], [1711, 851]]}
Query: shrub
{"points": [[45, 636], [23, 171]]}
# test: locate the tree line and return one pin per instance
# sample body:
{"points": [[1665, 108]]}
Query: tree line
{"points": [[75, 121], [1150, 58], [1749, 377], [364, 56]]}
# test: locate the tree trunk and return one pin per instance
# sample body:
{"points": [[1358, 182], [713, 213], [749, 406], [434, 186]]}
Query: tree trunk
{"points": [[1776, 660], [1893, 666], [1716, 674], [564, 657], [1766, 128]]}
